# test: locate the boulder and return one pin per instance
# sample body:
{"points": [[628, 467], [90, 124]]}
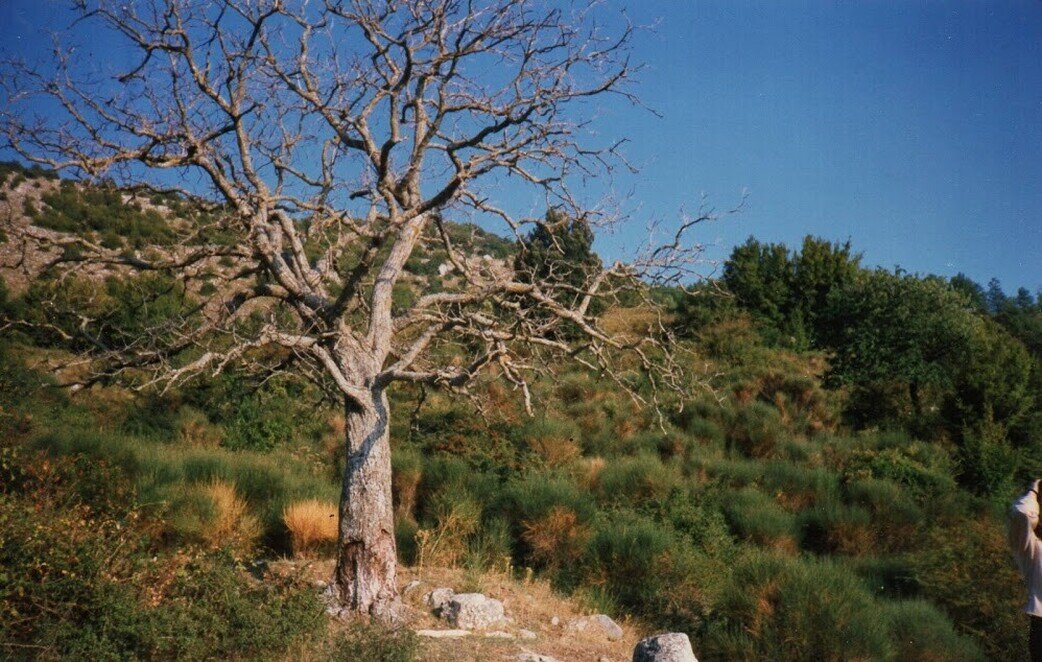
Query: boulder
{"points": [[596, 625], [439, 598], [671, 647], [472, 611]]}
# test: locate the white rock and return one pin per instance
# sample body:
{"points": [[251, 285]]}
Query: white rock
{"points": [[410, 587], [472, 611], [671, 647], [527, 634], [597, 625], [443, 634], [499, 634], [555, 621], [529, 656], [439, 598]]}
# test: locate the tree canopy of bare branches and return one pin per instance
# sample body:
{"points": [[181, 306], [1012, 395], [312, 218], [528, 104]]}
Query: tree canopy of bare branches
{"points": [[332, 141]]}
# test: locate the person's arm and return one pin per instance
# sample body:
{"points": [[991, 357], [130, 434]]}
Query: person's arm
{"points": [[1024, 516]]}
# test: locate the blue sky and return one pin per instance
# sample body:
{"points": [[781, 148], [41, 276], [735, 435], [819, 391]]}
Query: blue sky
{"points": [[914, 129]]}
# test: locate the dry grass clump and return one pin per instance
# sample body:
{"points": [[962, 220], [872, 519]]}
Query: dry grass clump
{"points": [[231, 522], [446, 543], [555, 451], [312, 525], [555, 538]]}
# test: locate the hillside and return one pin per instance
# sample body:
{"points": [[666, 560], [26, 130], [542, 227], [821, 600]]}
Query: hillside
{"points": [[834, 487]]}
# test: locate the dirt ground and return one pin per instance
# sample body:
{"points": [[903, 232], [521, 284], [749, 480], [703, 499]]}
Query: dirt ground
{"points": [[530, 605]]}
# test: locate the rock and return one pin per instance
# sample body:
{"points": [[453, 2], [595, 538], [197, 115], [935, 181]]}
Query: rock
{"points": [[603, 658], [555, 621], [472, 611], [529, 656], [526, 634], [598, 624], [443, 634], [671, 647], [410, 587], [499, 634], [439, 598]]}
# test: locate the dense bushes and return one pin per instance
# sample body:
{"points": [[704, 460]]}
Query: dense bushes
{"points": [[85, 575]]}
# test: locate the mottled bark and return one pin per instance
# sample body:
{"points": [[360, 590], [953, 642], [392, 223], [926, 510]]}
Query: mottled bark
{"points": [[365, 578]]}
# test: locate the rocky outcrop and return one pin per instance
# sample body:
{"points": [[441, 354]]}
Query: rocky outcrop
{"points": [[671, 647], [472, 611], [438, 599], [596, 625]]}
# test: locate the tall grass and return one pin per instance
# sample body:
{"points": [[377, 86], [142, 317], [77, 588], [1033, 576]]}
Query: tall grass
{"points": [[161, 473]]}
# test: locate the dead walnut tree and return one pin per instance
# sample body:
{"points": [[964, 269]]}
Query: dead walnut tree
{"points": [[330, 140]]}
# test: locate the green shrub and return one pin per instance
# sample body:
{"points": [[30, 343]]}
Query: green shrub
{"points": [[733, 472], [890, 505], [799, 484], [963, 566], [636, 480], [92, 584], [920, 631], [755, 430], [757, 517], [891, 577], [536, 494], [923, 468], [835, 528], [777, 607]]}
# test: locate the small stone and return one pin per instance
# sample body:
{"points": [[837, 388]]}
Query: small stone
{"points": [[473, 611], [555, 621], [598, 624], [499, 634], [410, 587], [529, 656], [604, 658], [527, 634], [671, 647], [443, 634], [321, 584], [439, 598]]}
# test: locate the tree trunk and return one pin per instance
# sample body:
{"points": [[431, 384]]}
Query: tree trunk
{"points": [[365, 579]]}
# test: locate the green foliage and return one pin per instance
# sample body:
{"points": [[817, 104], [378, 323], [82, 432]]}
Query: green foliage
{"points": [[789, 293], [82, 577], [79, 209], [962, 565], [756, 517], [558, 256], [756, 430], [782, 608]]}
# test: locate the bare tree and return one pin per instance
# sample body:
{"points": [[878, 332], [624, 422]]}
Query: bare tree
{"points": [[332, 140]]}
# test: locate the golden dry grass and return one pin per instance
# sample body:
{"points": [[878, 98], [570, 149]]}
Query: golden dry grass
{"points": [[312, 525], [446, 543], [231, 524], [558, 535]]}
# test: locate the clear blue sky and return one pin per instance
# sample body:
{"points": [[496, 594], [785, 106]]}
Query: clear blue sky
{"points": [[914, 129]]}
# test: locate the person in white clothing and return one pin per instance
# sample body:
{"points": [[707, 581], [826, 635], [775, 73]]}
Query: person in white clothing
{"points": [[1027, 551]]}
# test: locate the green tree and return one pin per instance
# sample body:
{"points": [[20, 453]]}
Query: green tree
{"points": [[787, 292]]}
